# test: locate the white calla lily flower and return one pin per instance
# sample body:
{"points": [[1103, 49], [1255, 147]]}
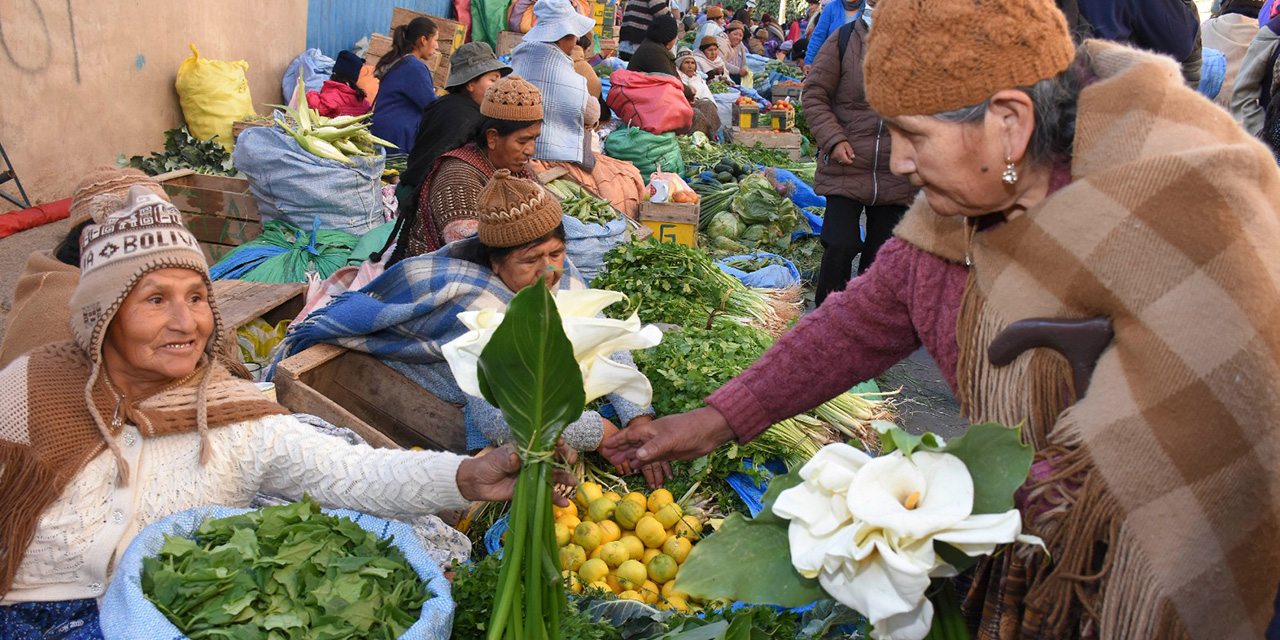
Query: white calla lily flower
{"points": [[865, 528], [594, 339]]}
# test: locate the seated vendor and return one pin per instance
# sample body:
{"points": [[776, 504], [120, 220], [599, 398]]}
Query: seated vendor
{"points": [[708, 58], [410, 312], [341, 95], [544, 59], [137, 419], [511, 122]]}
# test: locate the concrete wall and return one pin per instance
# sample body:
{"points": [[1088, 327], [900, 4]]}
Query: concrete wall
{"points": [[82, 81]]}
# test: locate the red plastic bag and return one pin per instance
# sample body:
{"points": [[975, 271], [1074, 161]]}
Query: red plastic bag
{"points": [[653, 102], [17, 221]]}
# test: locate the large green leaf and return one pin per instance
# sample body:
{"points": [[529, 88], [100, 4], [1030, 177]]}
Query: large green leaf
{"points": [[748, 561], [527, 370], [998, 461]]}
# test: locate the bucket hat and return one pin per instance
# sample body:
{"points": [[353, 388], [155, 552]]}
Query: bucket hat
{"points": [[557, 19], [471, 61]]}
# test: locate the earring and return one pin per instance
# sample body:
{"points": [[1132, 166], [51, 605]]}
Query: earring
{"points": [[1010, 173]]}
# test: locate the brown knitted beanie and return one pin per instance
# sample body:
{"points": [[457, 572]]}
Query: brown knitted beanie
{"points": [[512, 98], [930, 56], [514, 211], [103, 191]]}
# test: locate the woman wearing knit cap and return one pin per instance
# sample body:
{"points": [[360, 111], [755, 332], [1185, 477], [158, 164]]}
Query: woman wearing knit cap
{"points": [[733, 51], [41, 311], [708, 58], [1073, 202], [654, 54], [137, 419], [512, 120], [410, 311], [341, 95], [714, 26], [706, 117]]}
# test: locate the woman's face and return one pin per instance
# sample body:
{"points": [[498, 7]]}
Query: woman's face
{"points": [[735, 37], [160, 331], [958, 165], [512, 152], [427, 46], [688, 66], [477, 87], [523, 267], [712, 52]]}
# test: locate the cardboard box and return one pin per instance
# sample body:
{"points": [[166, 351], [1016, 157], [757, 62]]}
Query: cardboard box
{"points": [[671, 222], [218, 210], [746, 117], [452, 34], [379, 45], [507, 40], [788, 141]]}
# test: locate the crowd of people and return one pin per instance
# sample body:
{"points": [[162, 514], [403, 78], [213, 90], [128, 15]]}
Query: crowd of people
{"points": [[1025, 168]]}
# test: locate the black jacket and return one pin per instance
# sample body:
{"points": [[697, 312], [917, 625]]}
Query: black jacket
{"points": [[446, 124]]}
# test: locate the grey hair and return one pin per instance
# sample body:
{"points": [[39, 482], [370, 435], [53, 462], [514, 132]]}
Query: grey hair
{"points": [[1055, 100]]}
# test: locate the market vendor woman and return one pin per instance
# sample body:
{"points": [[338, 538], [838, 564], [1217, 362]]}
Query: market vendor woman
{"points": [[406, 315], [136, 419], [1066, 184]]}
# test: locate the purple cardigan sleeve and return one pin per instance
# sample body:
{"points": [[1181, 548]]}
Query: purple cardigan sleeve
{"points": [[854, 336]]}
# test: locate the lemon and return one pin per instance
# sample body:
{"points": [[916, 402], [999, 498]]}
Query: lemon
{"points": [[587, 492], [650, 554], [720, 604], [634, 546], [569, 521], [675, 603], [668, 515], [613, 495], [649, 591], [571, 557], [662, 568], [628, 513], [678, 548], [602, 509], [601, 585], [593, 570], [596, 553], [572, 582], [688, 527], [609, 531], [614, 554], [571, 510], [638, 498], [651, 532], [630, 595], [563, 535], [658, 498], [588, 536], [669, 590], [631, 574]]}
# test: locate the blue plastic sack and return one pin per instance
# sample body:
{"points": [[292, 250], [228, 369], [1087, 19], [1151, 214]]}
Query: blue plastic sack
{"points": [[724, 107], [493, 537], [586, 243], [605, 84], [292, 185], [774, 276], [798, 190], [128, 615], [314, 66], [756, 63], [1213, 71], [815, 223]]}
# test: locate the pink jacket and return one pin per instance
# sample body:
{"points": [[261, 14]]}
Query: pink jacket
{"points": [[337, 99]]}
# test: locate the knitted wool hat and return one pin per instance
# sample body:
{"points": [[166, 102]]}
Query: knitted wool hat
{"points": [[103, 191], [512, 98], [145, 235], [663, 29], [734, 26], [715, 12], [930, 56], [513, 211], [707, 41]]}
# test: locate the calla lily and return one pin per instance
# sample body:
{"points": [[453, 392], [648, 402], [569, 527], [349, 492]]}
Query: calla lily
{"points": [[865, 527], [594, 339]]}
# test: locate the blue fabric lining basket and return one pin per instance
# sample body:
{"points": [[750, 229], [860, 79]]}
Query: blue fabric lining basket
{"points": [[126, 614]]}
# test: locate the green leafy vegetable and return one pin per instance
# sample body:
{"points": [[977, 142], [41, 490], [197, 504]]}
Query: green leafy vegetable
{"points": [[282, 573], [181, 151]]}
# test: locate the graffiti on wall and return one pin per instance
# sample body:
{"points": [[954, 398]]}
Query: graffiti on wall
{"points": [[47, 29]]}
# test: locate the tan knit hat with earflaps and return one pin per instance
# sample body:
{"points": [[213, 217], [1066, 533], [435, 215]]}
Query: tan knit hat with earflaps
{"points": [[514, 211], [932, 56], [104, 190], [512, 98]]}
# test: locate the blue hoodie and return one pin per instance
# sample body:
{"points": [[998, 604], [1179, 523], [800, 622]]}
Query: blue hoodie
{"points": [[829, 22]]}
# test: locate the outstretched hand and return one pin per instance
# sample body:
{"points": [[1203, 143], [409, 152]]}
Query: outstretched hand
{"points": [[683, 436], [492, 476]]}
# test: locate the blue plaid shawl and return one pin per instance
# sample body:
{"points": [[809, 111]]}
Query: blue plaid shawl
{"points": [[564, 99]]}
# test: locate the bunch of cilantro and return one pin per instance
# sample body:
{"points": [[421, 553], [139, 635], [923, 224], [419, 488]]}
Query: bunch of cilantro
{"points": [[284, 573]]}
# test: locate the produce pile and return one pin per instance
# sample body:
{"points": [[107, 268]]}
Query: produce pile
{"points": [[582, 204], [332, 138], [282, 573], [181, 151], [698, 150], [718, 86], [784, 68], [748, 215]]}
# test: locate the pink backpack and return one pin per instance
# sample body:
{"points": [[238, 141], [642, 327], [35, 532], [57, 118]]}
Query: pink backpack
{"points": [[654, 102]]}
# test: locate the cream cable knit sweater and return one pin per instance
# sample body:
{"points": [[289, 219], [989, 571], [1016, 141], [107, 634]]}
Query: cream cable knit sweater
{"points": [[81, 534]]}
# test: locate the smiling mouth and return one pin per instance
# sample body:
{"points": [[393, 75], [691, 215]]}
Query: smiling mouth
{"points": [[180, 346]]}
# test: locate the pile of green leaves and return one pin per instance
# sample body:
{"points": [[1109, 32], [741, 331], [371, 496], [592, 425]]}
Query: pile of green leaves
{"points": [[281, 573], [785, 69], [582, 204], [806, 254], [755, 217], [473, 590], [688, 365], [181, 151], [603, 70], [698, 150], [718, 86]]}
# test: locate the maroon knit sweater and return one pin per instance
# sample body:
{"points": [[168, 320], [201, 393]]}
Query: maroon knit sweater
{"points": [[907, 298]]}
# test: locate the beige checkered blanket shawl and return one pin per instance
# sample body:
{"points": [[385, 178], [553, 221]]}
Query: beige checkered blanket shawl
{"points": [[1163, 515]]}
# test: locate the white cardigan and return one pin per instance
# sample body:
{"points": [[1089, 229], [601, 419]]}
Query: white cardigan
{"points": [[80, 535]]}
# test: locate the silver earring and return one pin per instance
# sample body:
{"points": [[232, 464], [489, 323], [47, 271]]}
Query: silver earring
{"points": [[1010, 176]]}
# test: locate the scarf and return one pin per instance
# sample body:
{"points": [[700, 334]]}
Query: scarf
{"points": [[62, 436], [1157, 490], [564, 99]]}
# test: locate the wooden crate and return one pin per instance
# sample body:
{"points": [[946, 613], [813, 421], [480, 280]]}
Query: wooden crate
{"points": [[242, 301], [745, 117], [671, 221], [379, 45], [779, 119], [507, 41], [452, 34], [219, 210], [792, 91], [355, 390], [788, 141]]}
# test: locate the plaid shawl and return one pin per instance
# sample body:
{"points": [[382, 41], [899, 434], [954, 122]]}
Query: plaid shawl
{"points": [[407, 314], [1160, 509], [564, 99]]}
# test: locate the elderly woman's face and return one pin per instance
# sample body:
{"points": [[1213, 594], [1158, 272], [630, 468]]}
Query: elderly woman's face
{"points": [[689, 66], [958, 166], [712, 52], [523, 267], [160, 331], [512, 152]]}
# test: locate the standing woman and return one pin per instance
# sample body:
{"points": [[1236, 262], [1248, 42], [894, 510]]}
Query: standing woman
{"points": [[406, 87], [853, 163]]}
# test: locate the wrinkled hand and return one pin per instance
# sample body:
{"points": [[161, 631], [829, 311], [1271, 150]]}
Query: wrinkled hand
{"points": [[491, 476], [655, 473], [683, 436], [842, 153]]}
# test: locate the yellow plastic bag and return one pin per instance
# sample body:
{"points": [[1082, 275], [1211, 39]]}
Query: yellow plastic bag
{"points": [[258, 341], [214, 94]]}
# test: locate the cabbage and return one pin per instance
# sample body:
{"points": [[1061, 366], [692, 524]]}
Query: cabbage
{"points": [[724, 244], [725, 225], [754, 234]]}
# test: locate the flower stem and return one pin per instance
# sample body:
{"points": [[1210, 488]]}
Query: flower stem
{"points": [[948, 620]]}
